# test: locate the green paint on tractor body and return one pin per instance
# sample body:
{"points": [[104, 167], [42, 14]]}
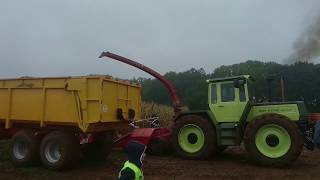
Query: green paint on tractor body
{"points": [[231, 109], [289, 110], [230, 104], [273, 132]]}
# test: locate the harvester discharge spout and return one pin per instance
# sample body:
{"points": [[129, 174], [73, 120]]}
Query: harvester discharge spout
{"points": [[172, 90]]}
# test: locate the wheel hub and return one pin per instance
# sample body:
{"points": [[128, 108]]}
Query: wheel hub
{"points": [[20, 149], [52, 152], [272, 140], [191, 138]]}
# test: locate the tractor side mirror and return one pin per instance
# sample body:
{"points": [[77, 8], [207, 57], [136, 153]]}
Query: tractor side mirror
{"points": [[239, 83]]}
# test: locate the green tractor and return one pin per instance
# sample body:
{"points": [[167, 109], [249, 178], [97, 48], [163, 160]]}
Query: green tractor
{"points": [[273, 133]]}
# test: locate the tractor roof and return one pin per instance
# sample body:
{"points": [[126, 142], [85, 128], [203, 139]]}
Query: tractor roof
{"points": [[246, 77]]}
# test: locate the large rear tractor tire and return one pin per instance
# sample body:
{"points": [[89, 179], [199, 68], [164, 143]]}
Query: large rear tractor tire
{"points": [[59, 150], [24, 148], [273, 140], [99, 149], [194, 137]]}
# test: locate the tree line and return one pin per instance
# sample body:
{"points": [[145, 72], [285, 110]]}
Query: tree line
{"points": [[301, 82]]}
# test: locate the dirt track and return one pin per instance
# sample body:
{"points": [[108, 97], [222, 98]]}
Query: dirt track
{"points": [[233, 164]]}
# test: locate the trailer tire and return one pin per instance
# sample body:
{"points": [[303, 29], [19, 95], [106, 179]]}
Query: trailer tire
{"points": [[273, 140], [59, 150], [99, 149], [194, 137], [24, 148]]}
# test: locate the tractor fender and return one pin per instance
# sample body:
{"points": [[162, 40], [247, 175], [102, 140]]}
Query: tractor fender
{"points": [[270, 115], [287, 110], [267, 114]]}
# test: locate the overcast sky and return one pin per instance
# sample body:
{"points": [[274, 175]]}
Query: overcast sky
{"points": [[65, 37]]}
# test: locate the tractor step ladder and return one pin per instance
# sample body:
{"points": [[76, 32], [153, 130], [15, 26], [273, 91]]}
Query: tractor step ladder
{"points": [[228, 134]]}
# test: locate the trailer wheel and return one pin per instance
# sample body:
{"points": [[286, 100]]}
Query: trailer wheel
{"points": [[99, 149], [59, 150], [273, 140], [23, 148], [194, 137]]}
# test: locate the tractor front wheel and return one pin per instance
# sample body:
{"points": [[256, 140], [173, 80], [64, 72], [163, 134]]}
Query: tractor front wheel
{"points": [[194, 137], [273, 140]]}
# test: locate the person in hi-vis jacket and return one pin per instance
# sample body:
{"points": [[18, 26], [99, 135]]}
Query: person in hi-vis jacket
{"points": [[132, 168]]}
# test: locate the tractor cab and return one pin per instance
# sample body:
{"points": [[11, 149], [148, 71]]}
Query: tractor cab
{"points": [[228, 97]]}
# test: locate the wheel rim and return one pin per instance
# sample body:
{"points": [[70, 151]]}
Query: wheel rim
{"points": [[52, 152], [191, 138], [20, 149], [273, 141]]}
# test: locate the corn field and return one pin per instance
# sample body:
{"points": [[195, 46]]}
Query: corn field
{"points": [[163, 112]]}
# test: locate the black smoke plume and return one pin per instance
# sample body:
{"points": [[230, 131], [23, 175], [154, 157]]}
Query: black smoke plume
{"points": [[307, 46]]}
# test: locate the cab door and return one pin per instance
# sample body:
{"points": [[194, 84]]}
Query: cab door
{"points": [[227, 102]]}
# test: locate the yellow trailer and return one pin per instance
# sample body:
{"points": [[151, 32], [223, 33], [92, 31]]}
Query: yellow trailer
{"points": [[90, 103], [41, 111]]}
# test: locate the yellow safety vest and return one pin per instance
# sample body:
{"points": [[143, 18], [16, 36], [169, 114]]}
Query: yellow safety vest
{"points": [[137, 171]]}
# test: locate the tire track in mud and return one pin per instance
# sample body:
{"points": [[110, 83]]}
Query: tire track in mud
{"points": [[232, 164]]}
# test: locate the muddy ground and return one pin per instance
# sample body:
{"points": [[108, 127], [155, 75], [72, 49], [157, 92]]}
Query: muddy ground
{"points": [[234, 163]]}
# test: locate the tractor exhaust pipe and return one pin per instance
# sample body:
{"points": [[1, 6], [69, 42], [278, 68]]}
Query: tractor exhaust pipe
{"points": [[269, 82], [282, 88]]}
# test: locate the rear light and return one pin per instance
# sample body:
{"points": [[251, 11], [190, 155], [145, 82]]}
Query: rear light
{"points": [[86, 139]]}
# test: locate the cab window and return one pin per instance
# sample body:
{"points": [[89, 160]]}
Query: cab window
{"points": [[242, 94], [213, 94], [227, 92]]}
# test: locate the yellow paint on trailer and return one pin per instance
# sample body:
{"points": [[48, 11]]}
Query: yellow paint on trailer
{"points": [[82, 101]]}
